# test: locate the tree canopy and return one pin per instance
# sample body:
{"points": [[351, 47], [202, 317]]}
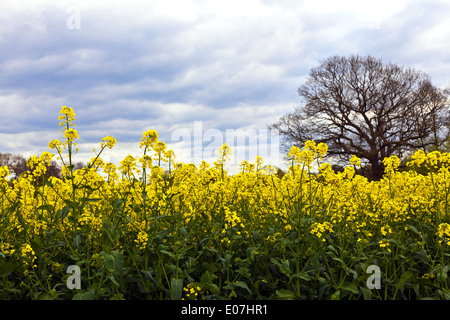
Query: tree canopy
{"points": [[359, 105]]}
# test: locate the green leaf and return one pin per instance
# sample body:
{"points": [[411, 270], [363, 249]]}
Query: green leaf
{"points": [[45, 296], [336, 295], [21, 219], [421, 256], [243, 285], [301, 275], [88, 295], [445, 295], [90, 199], [6, 268], [226, 261], [283, 266], [118, 202], [250, 251], [367, 293], [403, 279], [350, 287], [183, 231], [36, 244], [170, 254], [71, 204], [114, 263], [416, 288], [239, 284], [113, 280], [413, 229], [63, 212], [47, 182], [129, 219], [283, 294], [333, 250], [77, 241], [177, 288], [442, 274], [207, 277], [340, 261], [148, 275]]}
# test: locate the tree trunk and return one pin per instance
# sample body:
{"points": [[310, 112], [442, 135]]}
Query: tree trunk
{"points": [[377, 169]]}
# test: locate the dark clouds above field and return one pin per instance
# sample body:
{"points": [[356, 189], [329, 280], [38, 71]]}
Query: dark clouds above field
{"points": [[130, 66]]}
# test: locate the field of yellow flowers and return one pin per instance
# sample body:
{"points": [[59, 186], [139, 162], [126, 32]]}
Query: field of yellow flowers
{"points": [[196, 232]]}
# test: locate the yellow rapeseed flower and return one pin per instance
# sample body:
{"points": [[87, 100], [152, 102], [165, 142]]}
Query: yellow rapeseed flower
{"points": [[108, 142], [128, 164], [443, 233], [322, 149], [71, 134], [148, 139], [4, 171], [320, 229], [67, 114], [355, 161], [384, 244]]}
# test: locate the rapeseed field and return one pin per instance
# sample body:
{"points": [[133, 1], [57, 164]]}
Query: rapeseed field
{"points": [[138, 231]]}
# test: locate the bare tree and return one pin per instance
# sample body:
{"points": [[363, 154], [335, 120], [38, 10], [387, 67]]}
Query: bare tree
{"points": [[15, 163], [79, 165], [358, 105], [53, 170]]}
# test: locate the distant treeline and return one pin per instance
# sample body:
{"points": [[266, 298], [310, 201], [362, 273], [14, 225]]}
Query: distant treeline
{"points": [[17, 165]]}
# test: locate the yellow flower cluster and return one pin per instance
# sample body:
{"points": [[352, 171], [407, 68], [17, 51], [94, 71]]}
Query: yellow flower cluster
{"points": [[7, 248], [443, 232], [428, 276], [384, 244], [108, 142], [431, 159], [67, 114], [71, 134], [310, 152], [128, 165], [321, 229], [385, 230], [38, 165], [192, 290], [4, 171], [232, 219], [141, 241], [355, 161], [148, 139], [27, 255]]}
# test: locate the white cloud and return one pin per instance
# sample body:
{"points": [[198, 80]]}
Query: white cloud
{"points": [[26, 143]]}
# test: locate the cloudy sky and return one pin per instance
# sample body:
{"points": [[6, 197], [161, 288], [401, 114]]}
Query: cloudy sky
{"points": [[174, 65]]}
